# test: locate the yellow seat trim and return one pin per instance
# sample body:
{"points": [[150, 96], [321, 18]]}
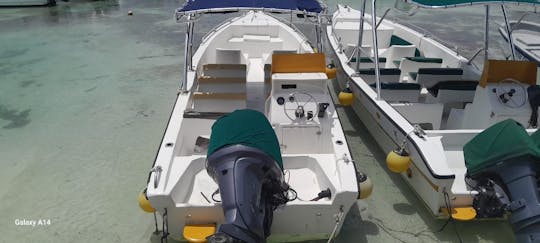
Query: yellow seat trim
{"points": [[497, 70], [198, 233], [298, 63], [461, 213]]}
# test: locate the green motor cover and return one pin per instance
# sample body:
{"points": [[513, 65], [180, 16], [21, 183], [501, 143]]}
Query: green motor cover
{"points": [[246, 127], [500, 142]]}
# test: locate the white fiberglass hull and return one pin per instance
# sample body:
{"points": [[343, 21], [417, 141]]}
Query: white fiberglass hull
{"points": [[430, 175], [182, 190]]}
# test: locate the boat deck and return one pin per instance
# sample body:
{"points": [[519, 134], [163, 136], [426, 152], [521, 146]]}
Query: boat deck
{"points": [[303, 172]]}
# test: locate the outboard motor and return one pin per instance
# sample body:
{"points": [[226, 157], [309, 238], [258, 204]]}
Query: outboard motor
{"points": [[244, 159], [505, 162]]}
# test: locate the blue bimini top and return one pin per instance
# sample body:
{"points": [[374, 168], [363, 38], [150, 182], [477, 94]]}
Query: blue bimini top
{"points": [[225, 6]]}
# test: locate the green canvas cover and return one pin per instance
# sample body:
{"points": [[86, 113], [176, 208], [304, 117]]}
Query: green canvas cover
{"points": [[245, 127], [502, 141]]}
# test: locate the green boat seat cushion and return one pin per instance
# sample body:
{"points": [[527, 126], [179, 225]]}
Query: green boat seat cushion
{"points": [[246, 127], [368, 60], [440, 71], [425, 59], [413, 75], [398, 86], [383, 71], [499, 143], [453, 85]]}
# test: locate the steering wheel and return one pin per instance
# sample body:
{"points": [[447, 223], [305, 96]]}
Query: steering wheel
{"points": [[507, 95], [298, 106]]}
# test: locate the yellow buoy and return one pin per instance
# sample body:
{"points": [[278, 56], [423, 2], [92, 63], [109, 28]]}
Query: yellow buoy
{"points": [[398, 160], [331, 71], [198, 233], [346, 97], [144, 203], [365, 186]]}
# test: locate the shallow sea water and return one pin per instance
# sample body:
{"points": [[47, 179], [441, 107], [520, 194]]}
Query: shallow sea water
{"points": [[85, 95]]}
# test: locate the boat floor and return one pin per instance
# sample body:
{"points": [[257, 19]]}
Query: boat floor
{"points": [[300, 172]]}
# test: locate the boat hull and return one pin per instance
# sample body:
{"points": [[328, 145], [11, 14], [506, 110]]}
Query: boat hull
{"points": [[388, 135]]}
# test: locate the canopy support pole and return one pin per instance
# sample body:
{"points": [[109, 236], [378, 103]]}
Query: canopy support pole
{"points": [[191, 46], [360, 35], [318, 34], [187, 55], [486, 35], [509, 33], [375, 48]]}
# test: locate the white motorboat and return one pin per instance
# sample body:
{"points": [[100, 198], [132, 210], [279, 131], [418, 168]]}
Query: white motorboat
{"points": [[22, 3], [429, 107], [253, 129], [526, 38]]}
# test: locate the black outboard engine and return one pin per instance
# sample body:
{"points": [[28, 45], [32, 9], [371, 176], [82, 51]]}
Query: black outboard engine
{"points": [[505, 162], [244, 159]]}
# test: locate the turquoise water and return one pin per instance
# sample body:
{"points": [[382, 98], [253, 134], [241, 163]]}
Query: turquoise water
{"points": [[85, 94]]}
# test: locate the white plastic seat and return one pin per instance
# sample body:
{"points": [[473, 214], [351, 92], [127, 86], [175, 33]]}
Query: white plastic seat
{"points": [[412, 64], [397, 52]]}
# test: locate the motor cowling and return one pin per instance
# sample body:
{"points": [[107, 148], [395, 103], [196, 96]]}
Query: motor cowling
{"points": [[244, 160], [505, 162]]}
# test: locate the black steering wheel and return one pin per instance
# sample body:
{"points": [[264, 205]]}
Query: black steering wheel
{"points": [[513, 96], [296, 104]]}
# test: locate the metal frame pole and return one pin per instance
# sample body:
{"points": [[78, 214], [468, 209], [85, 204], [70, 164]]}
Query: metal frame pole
{"points": [[509, 33], [191, 46], [186, 60], [360, 35], [375, 49], [486, 35], [318, 34]]}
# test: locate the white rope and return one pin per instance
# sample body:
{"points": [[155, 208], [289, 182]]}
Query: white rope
{"points": [[338, 220]]}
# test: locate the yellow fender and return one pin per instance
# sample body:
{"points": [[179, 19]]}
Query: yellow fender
{"points": [[398, 161], [144, 203]]}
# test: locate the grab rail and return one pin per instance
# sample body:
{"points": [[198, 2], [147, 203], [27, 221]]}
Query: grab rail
{"points": [[157, 176]]}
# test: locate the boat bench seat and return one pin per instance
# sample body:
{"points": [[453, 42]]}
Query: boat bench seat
{"points": [[224, 70], [367, 63], [223, 85], [387, 75], [428, 116], [428, 77], [413, 64], [454, 91], [399, 92], [217, 102]]}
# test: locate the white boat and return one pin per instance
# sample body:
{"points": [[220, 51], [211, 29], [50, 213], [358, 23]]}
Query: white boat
{"points": [[424, 103], [526, 38], [252, 66], [22, 3]]}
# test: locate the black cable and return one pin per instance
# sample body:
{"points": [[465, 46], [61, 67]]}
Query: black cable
{"points": [[450, 219], [214, 194]]}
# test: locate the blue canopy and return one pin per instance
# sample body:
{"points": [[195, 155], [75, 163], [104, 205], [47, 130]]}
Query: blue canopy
{"points": [[224, 6]]}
